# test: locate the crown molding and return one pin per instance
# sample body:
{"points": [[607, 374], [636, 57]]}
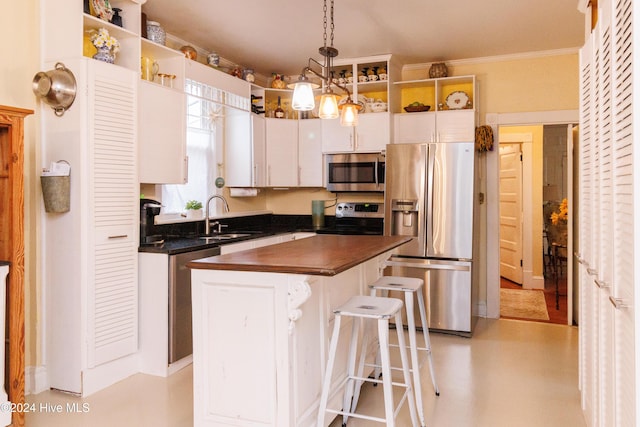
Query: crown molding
{"points": [[498, 58]]}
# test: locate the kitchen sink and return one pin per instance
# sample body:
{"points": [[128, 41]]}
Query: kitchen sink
{"points": [[226, 236]]}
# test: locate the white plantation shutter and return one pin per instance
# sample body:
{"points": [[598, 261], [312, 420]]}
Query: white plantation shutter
{"points": [[112, 300], [608, 232], [588, 321], [623, 213]]}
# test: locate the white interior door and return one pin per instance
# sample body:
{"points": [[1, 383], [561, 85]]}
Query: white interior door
{"points": [[511, 212]]}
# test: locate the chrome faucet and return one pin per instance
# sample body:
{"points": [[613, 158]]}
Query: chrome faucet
{"points": [[207, 224]]}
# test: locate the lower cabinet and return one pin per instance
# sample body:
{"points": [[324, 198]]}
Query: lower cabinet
{"points": [[265, 241], [286, 318], [154, 273]]}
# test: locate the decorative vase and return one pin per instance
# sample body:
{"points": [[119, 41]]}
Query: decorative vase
{"points": [[438, 70], [105, 54]]}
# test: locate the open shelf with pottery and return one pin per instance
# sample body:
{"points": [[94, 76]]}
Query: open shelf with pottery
{"points": [[439, 94]]}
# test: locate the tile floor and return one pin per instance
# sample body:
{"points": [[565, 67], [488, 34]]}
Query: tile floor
{"points": [[511, 373]]}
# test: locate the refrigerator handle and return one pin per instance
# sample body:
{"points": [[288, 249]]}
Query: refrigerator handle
{"points": [[429, 194], [376, 172], [428, 266]]}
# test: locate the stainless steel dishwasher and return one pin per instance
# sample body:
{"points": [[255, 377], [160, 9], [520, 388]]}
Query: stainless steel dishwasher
{"points": [[180, 330]]}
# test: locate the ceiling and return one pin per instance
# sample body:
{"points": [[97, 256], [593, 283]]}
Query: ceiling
{"points": [[280, 35]]}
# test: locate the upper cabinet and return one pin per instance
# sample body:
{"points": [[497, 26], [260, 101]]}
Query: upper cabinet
{"points": [[436, 110], [161, 135], [370, 81], [310, 164]]}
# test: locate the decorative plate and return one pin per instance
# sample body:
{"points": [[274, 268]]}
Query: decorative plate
{"points": [[103, 10], [457, 100]]}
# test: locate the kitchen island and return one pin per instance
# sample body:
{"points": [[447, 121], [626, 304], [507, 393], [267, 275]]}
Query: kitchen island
{"points": [[262, 320]]}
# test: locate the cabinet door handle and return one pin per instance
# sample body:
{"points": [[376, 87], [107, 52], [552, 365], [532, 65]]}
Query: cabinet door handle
{"points": [[119, 236], [578, 258], [601, 284], [592, 271]]}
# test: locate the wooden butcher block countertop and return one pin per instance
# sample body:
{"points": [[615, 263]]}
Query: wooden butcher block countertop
{"points": [[324, 255]]}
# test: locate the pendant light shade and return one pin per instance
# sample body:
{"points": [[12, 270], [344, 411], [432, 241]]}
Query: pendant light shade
{"points": [[328, 106], [303, 99], [349, 115]]}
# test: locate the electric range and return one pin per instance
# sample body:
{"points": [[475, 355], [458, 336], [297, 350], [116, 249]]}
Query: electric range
{"points": [[357, 219]]}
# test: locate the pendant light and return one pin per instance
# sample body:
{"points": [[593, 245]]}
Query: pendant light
{"points": [[303, 98]]}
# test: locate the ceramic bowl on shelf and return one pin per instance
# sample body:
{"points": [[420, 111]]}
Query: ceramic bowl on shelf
{"points": [[417, 108]]}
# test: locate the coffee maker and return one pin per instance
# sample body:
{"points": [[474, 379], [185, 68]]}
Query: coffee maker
{"points": [[149, 208]]}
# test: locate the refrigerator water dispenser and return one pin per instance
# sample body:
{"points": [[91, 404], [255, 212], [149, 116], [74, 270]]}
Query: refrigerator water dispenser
{"points": [[404, 217]]}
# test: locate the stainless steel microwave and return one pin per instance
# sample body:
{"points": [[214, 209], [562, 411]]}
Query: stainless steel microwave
{"points": [[355, 172]]}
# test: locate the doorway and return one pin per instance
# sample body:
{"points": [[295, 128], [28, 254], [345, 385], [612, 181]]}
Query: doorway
{"points": [[533, 161]]}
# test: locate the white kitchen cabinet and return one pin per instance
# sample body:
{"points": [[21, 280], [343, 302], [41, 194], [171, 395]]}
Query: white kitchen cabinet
{"points": [[282, 152], [90, 263], [373, 132], [455, 126], [441, 126], [162, 146], [414, 128], [245, 149], [337, 138], [310, 164], [370, 135]]}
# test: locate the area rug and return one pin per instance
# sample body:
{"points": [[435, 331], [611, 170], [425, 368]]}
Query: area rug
{"points": [[523, 304]]}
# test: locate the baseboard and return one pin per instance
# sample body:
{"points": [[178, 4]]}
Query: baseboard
{"points": [[480, 309], [35, 380], [534, 282]]}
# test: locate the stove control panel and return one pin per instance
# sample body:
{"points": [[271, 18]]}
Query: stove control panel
{"points": [[359, 210]]}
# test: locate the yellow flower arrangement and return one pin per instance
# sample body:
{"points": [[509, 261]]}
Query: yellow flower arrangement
{"points": [[103, 39], [561, 215]]}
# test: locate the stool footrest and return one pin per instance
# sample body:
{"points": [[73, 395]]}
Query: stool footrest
{"points": [[428, 350], [377, 381], [369, 417]]}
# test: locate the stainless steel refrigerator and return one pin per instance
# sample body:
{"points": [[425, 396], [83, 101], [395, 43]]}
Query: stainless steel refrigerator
{"points": [[429, 195]]}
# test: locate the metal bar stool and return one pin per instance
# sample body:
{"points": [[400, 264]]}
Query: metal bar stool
{"points": [[380, 309], [409, 286]]}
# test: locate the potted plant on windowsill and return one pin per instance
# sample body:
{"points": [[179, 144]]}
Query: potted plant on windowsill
{"points": [[194, 209]]}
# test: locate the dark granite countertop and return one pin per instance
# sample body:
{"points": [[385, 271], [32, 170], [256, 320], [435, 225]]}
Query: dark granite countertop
{"points": [[182, 238]]}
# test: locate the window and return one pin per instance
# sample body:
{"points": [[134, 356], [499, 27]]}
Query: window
{"points": [[205, 122]]}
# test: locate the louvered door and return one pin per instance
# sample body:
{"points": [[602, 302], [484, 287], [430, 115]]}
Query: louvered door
{"points": [[112, 298], [625, 233], [608, 374], [602, 269], [588, 320]]}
